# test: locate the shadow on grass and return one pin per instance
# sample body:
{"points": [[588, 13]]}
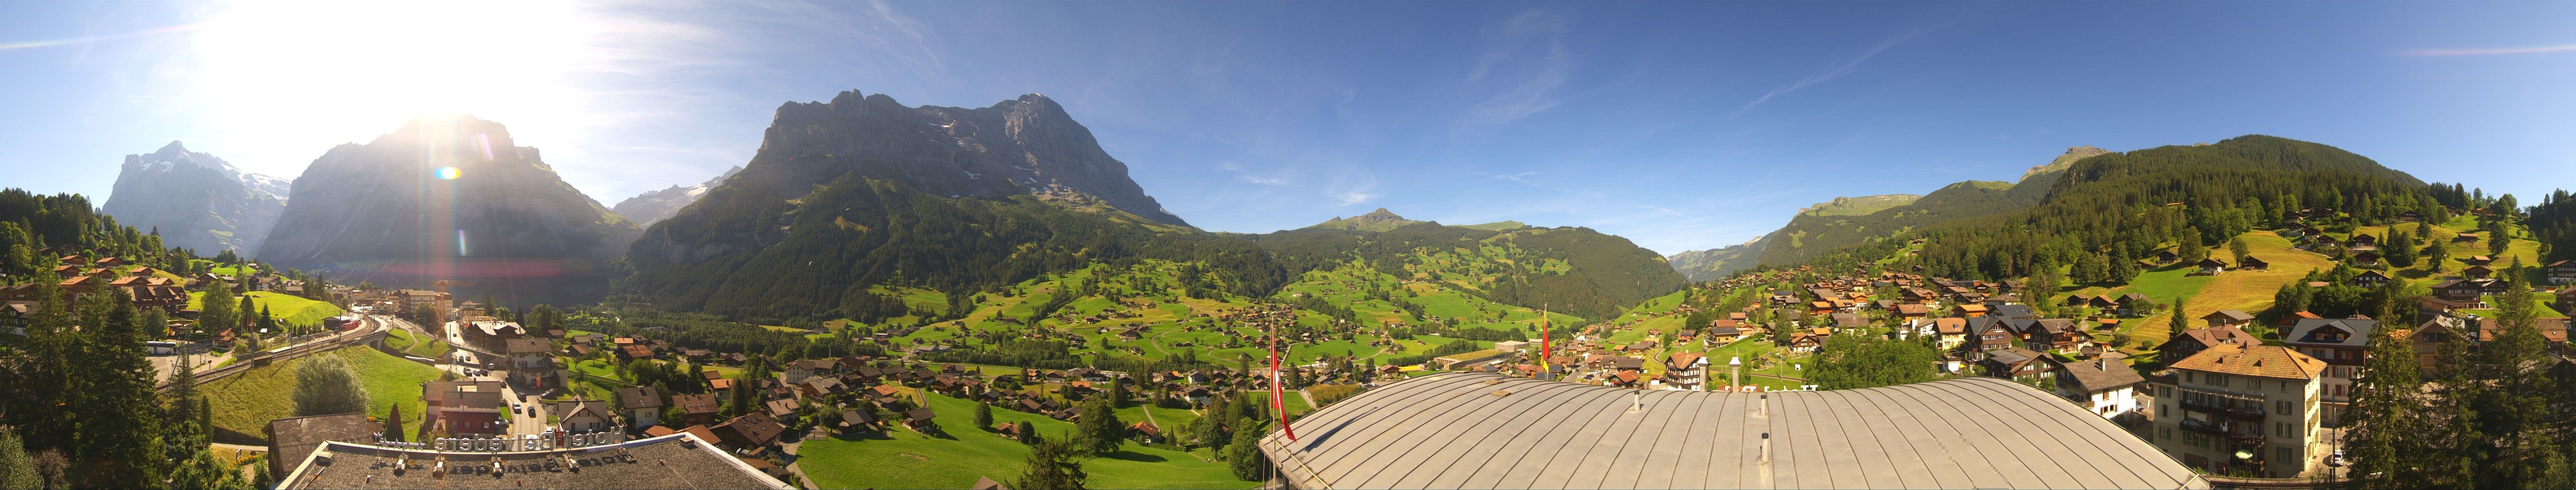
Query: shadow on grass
{"points": [[1135, 456]]}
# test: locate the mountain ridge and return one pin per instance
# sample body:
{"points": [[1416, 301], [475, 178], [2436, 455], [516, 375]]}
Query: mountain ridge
{"points": [[446, 197], [196, 200], [1025, 145], [660, 204]]}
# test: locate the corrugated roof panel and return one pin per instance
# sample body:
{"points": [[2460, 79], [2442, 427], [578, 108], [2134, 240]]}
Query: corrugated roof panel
{"points": [[1449, 431]]}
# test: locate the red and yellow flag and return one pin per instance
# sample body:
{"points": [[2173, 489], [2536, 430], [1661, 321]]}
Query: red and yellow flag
{"points": [[1278, 390]]}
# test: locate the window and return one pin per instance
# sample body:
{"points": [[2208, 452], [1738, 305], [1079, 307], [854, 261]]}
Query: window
{"points": [[2166, 433], [2281, 406], [2281, 454]]}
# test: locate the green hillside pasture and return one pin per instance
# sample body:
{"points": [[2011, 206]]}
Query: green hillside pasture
{"points": [[907, 459], [291, 309], [2250, 291], [403, 340], [1169, 419], [244, 403]]}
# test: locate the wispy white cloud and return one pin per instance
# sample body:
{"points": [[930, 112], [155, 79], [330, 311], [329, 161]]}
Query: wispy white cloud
{"points": [[1530, 50], [1837, 71], [1351, 197], [2487, 51]]}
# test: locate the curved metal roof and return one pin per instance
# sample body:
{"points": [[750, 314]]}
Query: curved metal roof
{"points": [[1478, 430]]}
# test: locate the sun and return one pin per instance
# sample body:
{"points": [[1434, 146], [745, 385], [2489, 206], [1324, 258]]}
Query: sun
{"points": [[346, 71]]}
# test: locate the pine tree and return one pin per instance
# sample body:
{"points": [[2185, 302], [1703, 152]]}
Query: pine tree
{"points": [[119, 423], [1052, 464], [2386, 417], [2181, 321], [17, 471], [1100, 430], [1244, 455], [983, 416]]}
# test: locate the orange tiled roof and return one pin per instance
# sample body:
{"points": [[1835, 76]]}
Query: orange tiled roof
{"points": [[2263, 361]]}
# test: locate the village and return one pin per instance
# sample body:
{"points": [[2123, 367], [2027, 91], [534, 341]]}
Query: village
{"points": [[2261, 393]]}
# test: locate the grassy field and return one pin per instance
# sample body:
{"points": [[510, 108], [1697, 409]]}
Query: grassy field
{"points": [[422, 346], [907, 459], [1174, 324], [244, 403], [282, 306], [2246, 290]]}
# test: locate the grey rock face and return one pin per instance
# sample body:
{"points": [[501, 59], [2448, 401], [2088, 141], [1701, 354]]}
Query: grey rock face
{"points": [[1021, 146], [443, 197], [658, 205], [196, 200]]}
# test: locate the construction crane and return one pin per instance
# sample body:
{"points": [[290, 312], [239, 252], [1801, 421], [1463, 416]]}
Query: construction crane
{"points": [[438, 313]]}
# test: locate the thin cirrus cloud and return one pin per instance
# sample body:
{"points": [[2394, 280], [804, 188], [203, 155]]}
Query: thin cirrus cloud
{"points": [[1530, 50], [1837, 72], [2488, 51]]}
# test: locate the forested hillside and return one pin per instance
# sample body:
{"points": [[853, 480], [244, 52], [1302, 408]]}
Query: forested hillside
{"points": [[2119, 207], [1813, 234], [30, 223], [1574, 270]]}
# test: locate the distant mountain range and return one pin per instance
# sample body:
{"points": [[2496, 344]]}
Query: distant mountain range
{"points": [[196, 200], [658, 205], [859, 194], [1704, 265]]}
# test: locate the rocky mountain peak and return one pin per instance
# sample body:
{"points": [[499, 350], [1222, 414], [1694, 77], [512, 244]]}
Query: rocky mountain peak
{"points": [[196, 200], [1019, 146], [391, 211], [655, 206]]}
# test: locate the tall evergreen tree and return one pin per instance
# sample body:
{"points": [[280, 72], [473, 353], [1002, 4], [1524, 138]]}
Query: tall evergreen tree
{"points": [[17, 471], [1099, 428], [2386, 418], [119, 423], [2181, 321], [1244, 455], [1052, 464]]}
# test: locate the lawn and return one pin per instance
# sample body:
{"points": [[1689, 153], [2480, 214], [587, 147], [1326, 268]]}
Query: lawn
{"points": [[2249, 291], [423, 346], [284, 307], [907, 459], [244, 403]]}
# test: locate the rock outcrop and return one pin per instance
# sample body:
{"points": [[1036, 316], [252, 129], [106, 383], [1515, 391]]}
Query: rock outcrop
{"points": [[653, 206], [1021, 146], [447, 197], [196, 200]]}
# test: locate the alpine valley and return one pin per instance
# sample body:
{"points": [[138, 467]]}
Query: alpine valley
{"points": [[877, 276]]}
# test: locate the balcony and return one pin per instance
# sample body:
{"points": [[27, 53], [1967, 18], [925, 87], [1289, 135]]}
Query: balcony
{"points": [[2231, 430], [2232, 407]]}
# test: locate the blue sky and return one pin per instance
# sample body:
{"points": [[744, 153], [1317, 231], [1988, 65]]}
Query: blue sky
{"points": [[1679, 125]]}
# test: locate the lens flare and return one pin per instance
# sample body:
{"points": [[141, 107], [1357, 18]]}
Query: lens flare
{"points": [[449, 173]]}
